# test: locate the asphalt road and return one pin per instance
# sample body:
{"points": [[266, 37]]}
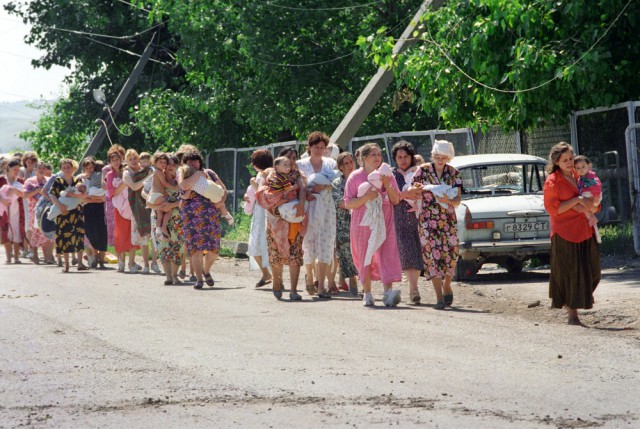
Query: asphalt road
{"points": [[102, 349]]}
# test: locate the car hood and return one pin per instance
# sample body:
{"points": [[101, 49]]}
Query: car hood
{"points": [[495, 207]]}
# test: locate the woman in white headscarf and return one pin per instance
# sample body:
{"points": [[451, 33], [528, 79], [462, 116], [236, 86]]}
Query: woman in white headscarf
{"points": [[437, 222]]}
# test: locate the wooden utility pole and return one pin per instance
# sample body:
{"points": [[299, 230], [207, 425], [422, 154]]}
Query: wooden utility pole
{"points": [[378, 84], [105, 118]]}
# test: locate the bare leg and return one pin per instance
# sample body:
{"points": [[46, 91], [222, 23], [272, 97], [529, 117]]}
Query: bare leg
{"points": [[7, 250], [322, 275], [132, 257], [66, 263], [437, 287], [331, 275], [145, 255], [47, 250], [294, 273], [574, 320], [412, 277], [209, 260], [266, 275], [196, 265], [310, 274], [80, 255], [277, 276], [366, 284], [16, 251]]}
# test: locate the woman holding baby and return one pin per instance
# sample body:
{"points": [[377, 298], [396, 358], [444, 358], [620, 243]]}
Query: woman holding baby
{"points": [[70, 222], [406, 220], [201, 218], [95, 225], [437, 220], [319, 241], [374, 246], [12, 222]]}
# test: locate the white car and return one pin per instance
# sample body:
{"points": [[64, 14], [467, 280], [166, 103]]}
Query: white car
{"points": [[501, 218]]}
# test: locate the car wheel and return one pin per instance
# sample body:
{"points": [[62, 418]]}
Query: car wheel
{"points": [[466, 270], [514, 266]]}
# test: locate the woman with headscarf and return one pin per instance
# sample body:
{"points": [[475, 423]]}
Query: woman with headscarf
{"points": [[373, 244], [438, 222], [319, 240], [406, 222], [70, 221]]}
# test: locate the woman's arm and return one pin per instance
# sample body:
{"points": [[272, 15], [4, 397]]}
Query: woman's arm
{"points": [[57, 203], [134, 186], [357, 202], [119, 188], [29, 194], [452, 202], [392, 192], [187, 184]]}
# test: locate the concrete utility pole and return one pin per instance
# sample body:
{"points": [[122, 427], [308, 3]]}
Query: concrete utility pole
{"points": [[378, 84], [97, 140]]}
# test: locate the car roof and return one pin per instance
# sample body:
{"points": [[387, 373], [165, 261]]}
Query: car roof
{"points": [[493, 159]]}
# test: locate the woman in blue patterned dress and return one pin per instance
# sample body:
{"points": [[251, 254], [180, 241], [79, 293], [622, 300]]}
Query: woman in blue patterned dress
{"points": [[201, 219]]}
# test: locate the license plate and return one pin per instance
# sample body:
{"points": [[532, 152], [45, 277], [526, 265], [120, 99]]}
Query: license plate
{"points": [[526, 226]]}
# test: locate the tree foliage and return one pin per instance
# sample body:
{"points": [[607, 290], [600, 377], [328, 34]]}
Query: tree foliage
{"points": [[519, 63], [236, 72]]}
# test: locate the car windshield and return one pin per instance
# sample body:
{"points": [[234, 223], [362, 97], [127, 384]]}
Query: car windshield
{"points": [[502, 179]]}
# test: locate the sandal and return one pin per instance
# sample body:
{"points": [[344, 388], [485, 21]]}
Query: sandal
{"points": [[198, 285], [415, 297], [209, 280], [65, 269], [311, 289], [168, 282], [334, 290], [439, 305], [263, 282], [278, 293], [448, 299], [324, 295], [82, 267]]}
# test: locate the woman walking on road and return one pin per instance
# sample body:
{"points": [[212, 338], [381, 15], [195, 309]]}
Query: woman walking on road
{"points": [[33, 192], [346, 165], [201, 219], [70, 222], [438, 222], [261, 160], [575, 254], [406, 222], [284, 240], [385, 262], [95, 225]]}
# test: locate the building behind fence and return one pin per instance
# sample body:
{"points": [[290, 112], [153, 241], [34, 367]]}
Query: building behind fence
{"points": [[597, 133]]}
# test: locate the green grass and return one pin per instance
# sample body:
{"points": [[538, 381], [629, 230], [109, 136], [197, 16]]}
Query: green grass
{"points": [[617, 239], [240, 229]]}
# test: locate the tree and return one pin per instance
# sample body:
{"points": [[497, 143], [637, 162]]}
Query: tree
{"points": [[519, 63]]}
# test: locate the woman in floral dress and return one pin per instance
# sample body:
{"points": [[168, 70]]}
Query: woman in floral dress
{"points": [[201, 220], [171, 249], [32, 192], [437, 223], [346, 165]]}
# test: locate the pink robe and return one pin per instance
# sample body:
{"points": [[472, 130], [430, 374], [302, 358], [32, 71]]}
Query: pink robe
{"points": [[385, 265]]}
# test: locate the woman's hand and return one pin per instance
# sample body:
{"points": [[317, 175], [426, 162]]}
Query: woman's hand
{"points": [[372, 194], [63, 209], [219, 205], [413, 193], [342, 205], [245, 198], [300, 209]]}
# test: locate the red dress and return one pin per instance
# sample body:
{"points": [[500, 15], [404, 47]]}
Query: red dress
{"points": [[5, 222]]}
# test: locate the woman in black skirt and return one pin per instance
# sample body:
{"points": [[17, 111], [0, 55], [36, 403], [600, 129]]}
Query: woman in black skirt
{"points": [[95, 225], [575, 254]]}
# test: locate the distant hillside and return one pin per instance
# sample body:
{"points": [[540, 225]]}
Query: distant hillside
{"points": [[15, 117]]}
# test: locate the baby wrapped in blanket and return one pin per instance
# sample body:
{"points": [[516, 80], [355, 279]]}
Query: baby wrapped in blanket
{"points": [[67, 201]]}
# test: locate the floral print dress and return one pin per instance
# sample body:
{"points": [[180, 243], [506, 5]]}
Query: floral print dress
{"points": [[172, 249], [343, 225], [69, 227], [201, 221], [437, 225]]}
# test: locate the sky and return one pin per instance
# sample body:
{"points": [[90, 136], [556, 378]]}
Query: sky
{"points": [[19, 80]]}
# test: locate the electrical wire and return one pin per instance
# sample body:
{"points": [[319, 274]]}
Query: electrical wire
{"points": [[533, 88], [106, 130], [126, 51], [320, 8], [113, 121], [85, 33]]}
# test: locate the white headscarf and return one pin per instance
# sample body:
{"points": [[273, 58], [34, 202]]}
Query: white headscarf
{"points": [[443, 147]]}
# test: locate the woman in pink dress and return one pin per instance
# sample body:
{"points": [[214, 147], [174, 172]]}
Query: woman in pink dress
{"points": [[32, 192], [389, 269]]}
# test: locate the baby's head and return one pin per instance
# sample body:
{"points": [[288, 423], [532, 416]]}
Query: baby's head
{"points": [[282, 165], [186, 171], [582, 164], [145, 159], [160, 160]]}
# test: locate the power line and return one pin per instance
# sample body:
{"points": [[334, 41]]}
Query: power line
{"points": [[85, 33], [134, 6], [533, 88], [320, 8], [125, 51]]}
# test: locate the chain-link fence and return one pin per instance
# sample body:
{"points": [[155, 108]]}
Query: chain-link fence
{"points": [[596, 133]]}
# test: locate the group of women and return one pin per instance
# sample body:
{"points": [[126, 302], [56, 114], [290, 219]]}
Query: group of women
{"points": [[108, 205], [369, 236], [369, 233]]}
